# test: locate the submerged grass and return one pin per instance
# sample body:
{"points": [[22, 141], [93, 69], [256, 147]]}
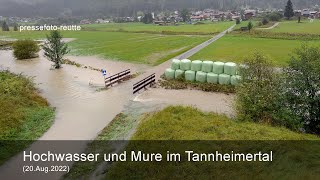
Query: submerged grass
{"points": [[25, 115]]}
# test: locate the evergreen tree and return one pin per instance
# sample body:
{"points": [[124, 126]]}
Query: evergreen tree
{"points": [[55, 48], [15, 27], [185, 15], [289, 13], [147, 19], [5, 26], [250, 26]]}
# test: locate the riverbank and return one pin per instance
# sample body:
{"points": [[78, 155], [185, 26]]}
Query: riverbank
{"points": [[25, 115]]}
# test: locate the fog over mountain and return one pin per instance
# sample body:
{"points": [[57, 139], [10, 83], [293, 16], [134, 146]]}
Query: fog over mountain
{"points": [[91, 8]]}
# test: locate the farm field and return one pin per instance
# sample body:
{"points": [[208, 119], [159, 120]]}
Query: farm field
{"points": [[305, 27], [151, 49], [235, 48], [207, 28]]}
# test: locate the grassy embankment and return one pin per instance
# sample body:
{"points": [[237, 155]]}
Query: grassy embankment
{"points": [[186, 123], [149, 49], [276, 43], [25, 115], [177, 123]]}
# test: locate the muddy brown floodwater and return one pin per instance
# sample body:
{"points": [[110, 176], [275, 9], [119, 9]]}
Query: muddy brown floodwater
{"points": [[82, 111]]}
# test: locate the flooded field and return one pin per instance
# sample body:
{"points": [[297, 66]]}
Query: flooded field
{"points": [[82, 111]]}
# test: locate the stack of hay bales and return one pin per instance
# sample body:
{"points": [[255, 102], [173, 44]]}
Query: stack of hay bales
{"points": [[204, 71]]}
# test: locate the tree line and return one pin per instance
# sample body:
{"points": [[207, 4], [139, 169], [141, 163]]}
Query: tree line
{"points": [[123, 8]]}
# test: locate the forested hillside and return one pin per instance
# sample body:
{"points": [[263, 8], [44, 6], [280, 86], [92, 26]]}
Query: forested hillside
{"points": [[129, 7]]}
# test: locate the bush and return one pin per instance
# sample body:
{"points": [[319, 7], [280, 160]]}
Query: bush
{"points": [[25, 49], [302, 87], [275, 16], [264, 21], [259, 96]]}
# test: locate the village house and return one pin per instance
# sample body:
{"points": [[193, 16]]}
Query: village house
{"points": [[85, 21], [249, 13]]}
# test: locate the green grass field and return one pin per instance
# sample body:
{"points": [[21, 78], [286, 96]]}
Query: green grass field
{"points": [[235, 48], [306, 27], [174, 124], [185, 123], [207, 28], [149, 49], [24, 115]]}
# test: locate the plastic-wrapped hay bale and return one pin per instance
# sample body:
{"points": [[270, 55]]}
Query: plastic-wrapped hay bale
{"points": [[185, 65], [224, 79], [230, 68], [207, 66], [201, 76], [212, 78], [190, 76], [218, 67], [175, 64], [169, 73], [178, 73], [196, 65], [235, 80]]}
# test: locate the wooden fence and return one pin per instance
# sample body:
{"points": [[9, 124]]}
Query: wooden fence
{"points": [[150, 80]]}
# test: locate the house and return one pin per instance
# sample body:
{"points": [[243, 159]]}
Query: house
{"points": [[313, 14], [197, 18], [248, 14], [297, 13], [101, 21], [85, 21], [305, 13]]}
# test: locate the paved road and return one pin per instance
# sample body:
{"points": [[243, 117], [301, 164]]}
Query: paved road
{"points": [[203, 45]]}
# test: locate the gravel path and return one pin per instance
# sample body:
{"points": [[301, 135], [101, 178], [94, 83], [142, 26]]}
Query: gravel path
{"points": [[275, 25]]}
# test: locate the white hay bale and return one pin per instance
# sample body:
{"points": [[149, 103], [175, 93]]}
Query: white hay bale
{"points": [[207, 66], [212, 78], [169, 73], [179, 73], [230, 68], [196, 65], [190, 76], [201, 77], [185, 65], [218, 67], [224, 79], [175, 65]]}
